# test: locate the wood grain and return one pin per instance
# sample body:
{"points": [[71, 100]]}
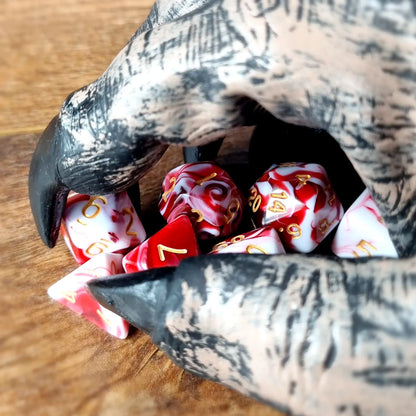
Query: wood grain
{"points": [[52, 362], [49, 50]]}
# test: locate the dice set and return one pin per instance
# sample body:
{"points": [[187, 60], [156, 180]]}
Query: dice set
{"points": [[293, 208], [205, 204]]}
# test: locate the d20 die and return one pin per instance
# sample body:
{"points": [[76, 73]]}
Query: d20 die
{"points": [[207, 195], [298, 200], [362, 232], [71, 292], [100, 224], [263, 240], [167, 247]]}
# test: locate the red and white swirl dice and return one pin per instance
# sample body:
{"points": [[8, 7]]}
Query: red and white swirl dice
{"points": [[297, 199], [207, 195]]}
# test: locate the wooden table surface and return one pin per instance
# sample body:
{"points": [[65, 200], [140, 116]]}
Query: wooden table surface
{"points": [[53, 362]]}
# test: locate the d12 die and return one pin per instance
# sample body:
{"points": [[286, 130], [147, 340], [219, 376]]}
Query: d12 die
{"points": [[362, 232], [167, 247], [297, 199], [71, 292], [100, 224], [207, 195], [263, 240]]}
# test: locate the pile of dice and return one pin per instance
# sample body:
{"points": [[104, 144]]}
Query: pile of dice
{"points": [[292, 207]]}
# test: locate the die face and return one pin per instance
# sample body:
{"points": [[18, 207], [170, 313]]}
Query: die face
{"points": [[298, 200], [207, 195], [167, 247], [362, 232], [71, 292], [101, 224], [264, 240]]}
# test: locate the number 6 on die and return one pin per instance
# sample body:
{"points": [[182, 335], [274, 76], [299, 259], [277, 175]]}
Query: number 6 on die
{"points": [[92, 225]]}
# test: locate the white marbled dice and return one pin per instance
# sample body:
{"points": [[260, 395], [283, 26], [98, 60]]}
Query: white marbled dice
{"points": [[362, 232], [264, 240], [71, 291], [93, 225]]}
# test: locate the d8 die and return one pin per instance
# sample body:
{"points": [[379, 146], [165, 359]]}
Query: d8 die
{"points": [[260, 241], [297, 199], [207, 195], [167, 247], [100, 224], [362, 232], [71, 292]]}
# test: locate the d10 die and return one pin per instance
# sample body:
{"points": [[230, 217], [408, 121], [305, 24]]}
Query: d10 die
{"points": [[71, 292], [167, 247], [263, 240], [100, 224], [297, 199], [207, 195], [362, 232]]}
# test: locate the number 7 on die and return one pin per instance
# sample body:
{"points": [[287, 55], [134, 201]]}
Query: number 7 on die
{"points": [[174, 242]]}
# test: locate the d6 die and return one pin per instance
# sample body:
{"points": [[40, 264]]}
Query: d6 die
{"points": [[362, 232], [100, 224], [167, 247], [207, 195], [297, 199], [263, 240], [71, 292]]}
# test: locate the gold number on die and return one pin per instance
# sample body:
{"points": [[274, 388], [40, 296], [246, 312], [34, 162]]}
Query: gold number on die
{"points": [[251, 247], [91, 203], [362, 246], [101, 315], [70, 296], [161, 250], [294, 230], [129, 212], [199, 214], [165, 194], [207, 178], [277, 205], [303, 179], [324, 225], [237, 238], [100, 246], [224, 244], [219, 246], [254, 200], [231, 210]]}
